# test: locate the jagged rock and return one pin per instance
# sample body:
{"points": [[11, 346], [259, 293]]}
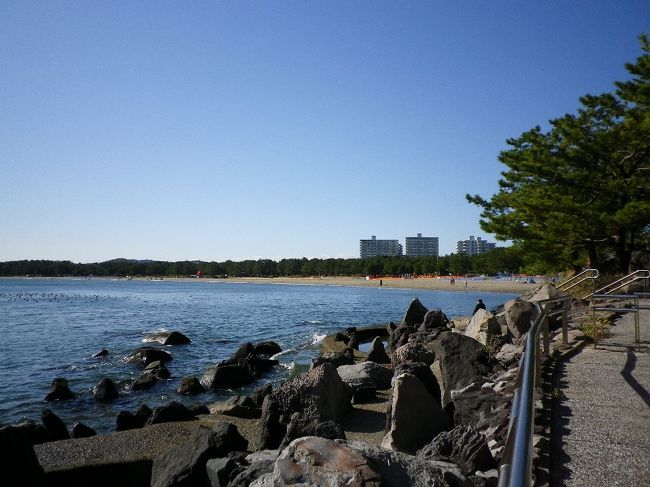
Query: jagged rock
{"points": [[102, 353], [226, 377], [260, 393], [198, 409], [220, 470], [413, 352], [462, 446], [300, 426], [424, 373], [54, 426], [19, 462], [33, 431], [176, 338], [416, 417], [462, 361], [363, 394], [186, 463], [400, 336], [434, 319], [174, 411], [158, 369], [272, 430], [80, 430], [105, 390], [345, 357], [145, 381], [268, 349], [519, 314], [377, 352], [509, 353], [59, 391], [146, 355], [190, 385], [127, 421], [365, 374], [415, 313], [483, 326], [319, 461], [259, 463]]}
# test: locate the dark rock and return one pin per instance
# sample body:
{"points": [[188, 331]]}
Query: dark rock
{"points": [[174, 411], [462, 360], [176, 338], [260, 393], [59, 391], [190, 385], [145, 381], [422, 372], [434, 319], [220, 471], [341, 337], [346, 357], [300, 426], [33, 431], [239, 406], [366, 374], [519, 314], [462, 446], [268, 349], [146, 355], [80, 430], [185, 465], [415, 313], [330, 430], [54, 426], [416, 417], [197, 409], [272, 430], [158, 369], [127, 421], [363, 394], [400, 336], [257, 365], [260, 463], [102, 353], [481, 408], [105, 390], [353, 340], [226, 377], [377, 352], [19, 462]]}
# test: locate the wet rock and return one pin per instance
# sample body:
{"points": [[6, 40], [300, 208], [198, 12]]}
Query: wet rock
{"points": [[147, 355], [145, 381], [176, 338], [158, 369], [226, 377], [80, 430], [268, 349], [186, 463], [102, 353], [105, 390], [59, 391], [54, 426], [190, 385]]}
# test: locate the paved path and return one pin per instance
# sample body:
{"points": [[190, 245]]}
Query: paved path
{"points": [[601, 427]]}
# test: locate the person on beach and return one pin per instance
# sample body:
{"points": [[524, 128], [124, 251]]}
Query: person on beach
{"points": [[479, 305]]}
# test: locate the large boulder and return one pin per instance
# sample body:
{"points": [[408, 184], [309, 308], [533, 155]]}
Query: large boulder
{"points": [[259, 463], [462, 361], [80, 430], [542, 293], [366, 374], [174, 411], [415, 313], [300, 426], [319, 461], [413, 352], [463, 446], [145, 381], [266, 349], [158, 369], [185, 465], [238, 406], [105, 390], [434, 319], [19, 462], [225, 376], [59, 391], [519, 314], [272, 429], [377, 352], [126, 420], [415, 416], [176, 338], [483, 327], [424, 373], [54, 426], [344, 357]]}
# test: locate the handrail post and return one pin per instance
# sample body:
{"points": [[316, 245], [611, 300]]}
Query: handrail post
{"points": [[565, 325], [545, 334]]}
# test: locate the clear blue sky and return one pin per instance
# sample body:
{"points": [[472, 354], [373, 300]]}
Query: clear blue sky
{"points": [[269, 129]]}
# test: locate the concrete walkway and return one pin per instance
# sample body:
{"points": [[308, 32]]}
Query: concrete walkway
{"points": [[601, 424]]}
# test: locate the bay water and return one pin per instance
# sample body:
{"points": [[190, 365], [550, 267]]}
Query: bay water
{"points": [[50, 328]]}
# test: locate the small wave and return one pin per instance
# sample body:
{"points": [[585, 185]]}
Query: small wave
{"points": [[289, 366], [315, 322], [317, 338], [155, 335]]}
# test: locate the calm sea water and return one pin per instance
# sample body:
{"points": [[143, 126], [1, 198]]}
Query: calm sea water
{"points": [[51, 327]]}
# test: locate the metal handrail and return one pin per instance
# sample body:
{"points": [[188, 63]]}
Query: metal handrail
{"points": [[639, 275], [631, 298], [516, 465], [585, 275]]}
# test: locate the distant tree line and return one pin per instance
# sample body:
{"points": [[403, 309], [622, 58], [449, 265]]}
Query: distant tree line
{"points": [[501, 260]]}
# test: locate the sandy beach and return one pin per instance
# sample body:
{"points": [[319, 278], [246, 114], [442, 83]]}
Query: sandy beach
{"points": [[440, 284]]}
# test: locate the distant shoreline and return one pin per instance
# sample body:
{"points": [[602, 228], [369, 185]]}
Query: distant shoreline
{"points": [[428, 283]]}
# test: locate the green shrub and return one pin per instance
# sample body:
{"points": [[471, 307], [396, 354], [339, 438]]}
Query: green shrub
{"points": [[595, 327]]}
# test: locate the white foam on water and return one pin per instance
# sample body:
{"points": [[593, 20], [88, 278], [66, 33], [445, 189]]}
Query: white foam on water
{"points": [[317, 338]]}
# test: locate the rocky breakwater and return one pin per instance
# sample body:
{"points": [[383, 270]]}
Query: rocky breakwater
{"points": [[435, 413]]}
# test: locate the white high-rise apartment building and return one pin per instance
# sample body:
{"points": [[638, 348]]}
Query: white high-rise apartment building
{"points": [[474, 246], [421, 246], [375, 248]]}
